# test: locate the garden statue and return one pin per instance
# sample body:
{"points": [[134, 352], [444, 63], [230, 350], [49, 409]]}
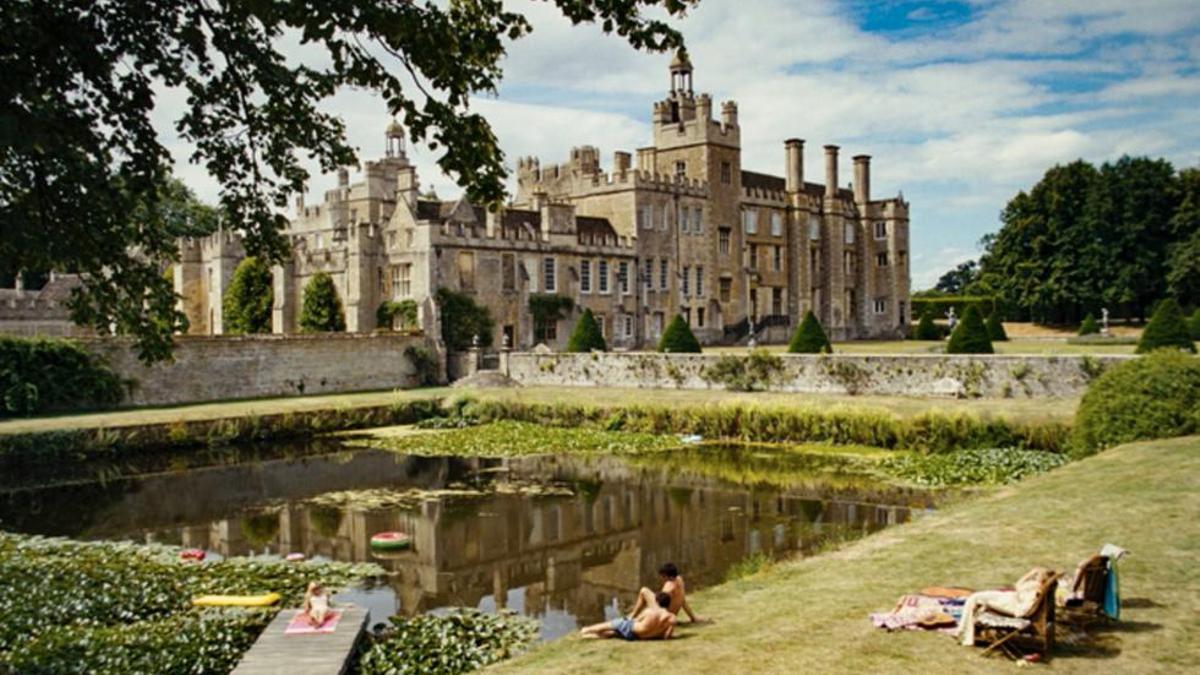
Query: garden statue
{"points": [[1104, 321], [952, 319]]}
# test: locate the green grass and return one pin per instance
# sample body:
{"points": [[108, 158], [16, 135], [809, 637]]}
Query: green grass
{"points": [[812, 613]]}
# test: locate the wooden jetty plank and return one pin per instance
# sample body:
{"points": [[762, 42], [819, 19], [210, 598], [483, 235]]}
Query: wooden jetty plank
{"points": [[275, 653]]}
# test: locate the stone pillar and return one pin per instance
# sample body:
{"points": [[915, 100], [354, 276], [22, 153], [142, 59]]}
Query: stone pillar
{"points": [[794, 149], [831, 171], [505, 350], [862, 178], [474, 356]]}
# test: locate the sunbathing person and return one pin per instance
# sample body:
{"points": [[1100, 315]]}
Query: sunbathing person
{"points": [[654, 623], [672, 584], [316, 604], [1017, 603]]}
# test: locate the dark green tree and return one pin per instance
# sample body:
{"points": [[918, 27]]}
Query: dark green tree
{"points": [[586, 337], [970, 336], [321, 311], [462, 319], [248, 301], [1089, 326], [84, 172], [1166, 330], [956, 281], [809, 337], [678, 338], [1194, 325], [1183, 265], [926, 328], [995, 327]]}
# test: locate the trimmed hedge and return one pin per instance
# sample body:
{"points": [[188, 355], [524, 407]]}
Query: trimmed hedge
{"points": [[47, 374], [586, 337], [1166, 330], [939, 305], [1156, 396], [809, 337], [970, 336], [678, 338]]}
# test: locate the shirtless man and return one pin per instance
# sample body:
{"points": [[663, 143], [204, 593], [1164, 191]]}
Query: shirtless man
{"points": [[672, 585], [654, 623]]}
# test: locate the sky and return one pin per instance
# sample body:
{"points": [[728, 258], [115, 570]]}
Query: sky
{"points": [[960, 103]]}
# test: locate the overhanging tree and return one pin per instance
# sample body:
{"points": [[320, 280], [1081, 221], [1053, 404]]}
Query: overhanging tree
{"points": [[84, 174], [246, 307]]}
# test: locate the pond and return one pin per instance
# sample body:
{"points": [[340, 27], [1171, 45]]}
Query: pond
{"points": [[566, 539]]}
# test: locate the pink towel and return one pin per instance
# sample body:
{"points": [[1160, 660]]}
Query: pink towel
{"points": [[300, 625]]}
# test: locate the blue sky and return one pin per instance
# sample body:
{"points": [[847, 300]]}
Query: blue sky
{"points": [[961, 103]]}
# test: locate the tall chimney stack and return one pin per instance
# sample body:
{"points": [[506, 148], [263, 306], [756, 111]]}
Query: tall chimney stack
{"points": [[831, 171], [862, 178], [794, 148]]}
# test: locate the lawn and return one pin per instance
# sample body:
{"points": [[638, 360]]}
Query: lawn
{"points": [[811, 614]]}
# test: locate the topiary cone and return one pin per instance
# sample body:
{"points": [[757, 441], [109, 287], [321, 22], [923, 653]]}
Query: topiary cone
{"points": [[970, 336], [1089, 326], [926, 328], [678, 338], [809, 337], [587, 336], [1166, 330], [995, 327]]}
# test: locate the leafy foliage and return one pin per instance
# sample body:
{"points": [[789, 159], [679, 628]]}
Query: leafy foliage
{"points": [[43, 375], [424, 363], [940, 304], [1166, 330], [1194, 325], [514, 438], [83, 158], [970, 336], [124, 608], [678, 338], [1156, 396], [1183, 266], [957, 280], [463, 319], [995, 327], [1089, 326], [926, 328], [321, 311], [749, 373], [548, 308], [586, 337], [988, 466], [809, 337], [247, 304], [458, 642], [389, 310]]}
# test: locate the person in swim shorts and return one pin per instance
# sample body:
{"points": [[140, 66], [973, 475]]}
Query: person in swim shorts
{"points": [[672, 584], [653, 623]]}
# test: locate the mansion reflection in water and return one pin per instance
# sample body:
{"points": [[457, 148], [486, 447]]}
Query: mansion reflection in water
{"points": [[574, 554]]}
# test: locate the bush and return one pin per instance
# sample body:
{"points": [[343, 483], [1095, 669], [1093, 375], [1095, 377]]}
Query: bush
{"points": [[750, 373], [462, 319], [809, 337], [1194, 325], [1156, 396], [678, 338], [43, 375], [995, 327], [248, 301], [389, 310], [321, 311], [1166, 330], [424, 363], [940, 304], [1089, 326], [970, 336], [586, 337], [926, 328]]}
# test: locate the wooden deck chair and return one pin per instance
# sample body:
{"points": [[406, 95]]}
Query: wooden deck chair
{"points": [[1085, 603], [1001, 631]]}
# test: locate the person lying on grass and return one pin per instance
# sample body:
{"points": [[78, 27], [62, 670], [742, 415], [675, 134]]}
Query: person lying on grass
{"points": [[653, 623], [672, 585]]}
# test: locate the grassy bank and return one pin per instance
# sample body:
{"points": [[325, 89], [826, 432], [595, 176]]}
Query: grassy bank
{"points": [[812, 614]]}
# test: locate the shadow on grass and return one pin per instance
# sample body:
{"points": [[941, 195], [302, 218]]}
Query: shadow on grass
{"points": [[1102, 640]]}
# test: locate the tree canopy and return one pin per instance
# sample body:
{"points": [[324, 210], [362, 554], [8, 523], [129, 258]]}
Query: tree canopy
{"points": [[1121, 236], [958, 279], [85, 175]]}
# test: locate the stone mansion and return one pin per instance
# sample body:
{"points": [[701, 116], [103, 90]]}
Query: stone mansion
{"points": [[684, 229]]}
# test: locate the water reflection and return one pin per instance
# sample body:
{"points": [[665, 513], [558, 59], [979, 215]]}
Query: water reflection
{"points": [[568, 540]]}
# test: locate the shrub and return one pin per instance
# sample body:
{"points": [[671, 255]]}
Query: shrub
{"points": [[926, 328], [678, 338], [1194, 325], [1157, 396], [546, 310], [321, 311], [809, 337], [995, 327], [424, 363], [586, 337], [42, 375], [1166, 330], [970, 336], [750, 373], [389, 310], [248, 300], [1089, 326], [940, 304], [462, 319]]}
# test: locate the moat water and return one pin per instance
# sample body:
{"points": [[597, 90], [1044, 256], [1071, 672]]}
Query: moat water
{"points": [[567, 540]]}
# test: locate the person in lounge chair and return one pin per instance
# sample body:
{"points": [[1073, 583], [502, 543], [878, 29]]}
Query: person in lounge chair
{"points": [[672, 584], [1018, 602], [653, 623]]}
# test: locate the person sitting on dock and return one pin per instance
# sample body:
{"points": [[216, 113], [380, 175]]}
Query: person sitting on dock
{"points": [[316, 604], [672, 585], [653, 623]]}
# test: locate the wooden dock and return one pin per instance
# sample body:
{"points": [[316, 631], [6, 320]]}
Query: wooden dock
{"points": [[321, 654]]}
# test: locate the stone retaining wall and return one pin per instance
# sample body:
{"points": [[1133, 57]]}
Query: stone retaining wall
{"points": [[225, 367], [889, 375]]}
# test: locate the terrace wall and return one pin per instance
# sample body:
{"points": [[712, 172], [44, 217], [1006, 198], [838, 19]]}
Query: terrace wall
{"points": [[955, 375]]}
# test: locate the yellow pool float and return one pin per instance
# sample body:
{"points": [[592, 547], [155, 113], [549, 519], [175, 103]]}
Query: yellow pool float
{"points": [[264, 600]]}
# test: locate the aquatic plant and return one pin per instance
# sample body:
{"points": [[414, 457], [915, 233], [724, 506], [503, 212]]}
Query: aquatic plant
{"points": [[507, 439], [458, 642], [991, 466]]}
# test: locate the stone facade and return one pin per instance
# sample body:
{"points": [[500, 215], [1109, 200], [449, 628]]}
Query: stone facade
{"points": [[209, 369], [686, 231], [43, 311], [885, 375]]}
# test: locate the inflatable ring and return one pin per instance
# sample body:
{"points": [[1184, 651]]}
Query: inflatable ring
{"points": [[391, 541], [192, 554]]}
